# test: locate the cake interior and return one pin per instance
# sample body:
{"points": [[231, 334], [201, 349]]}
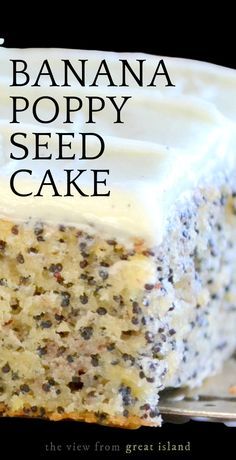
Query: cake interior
{"points": [[94, 331]]}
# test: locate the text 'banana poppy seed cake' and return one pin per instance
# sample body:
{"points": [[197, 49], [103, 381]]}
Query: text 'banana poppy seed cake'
{"points": [[107, 300]]}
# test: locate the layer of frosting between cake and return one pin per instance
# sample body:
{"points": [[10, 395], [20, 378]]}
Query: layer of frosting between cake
{"points": [[171, 138]]}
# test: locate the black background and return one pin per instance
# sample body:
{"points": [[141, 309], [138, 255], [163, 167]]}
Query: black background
{"points": [[191, 32], [194, 36]]}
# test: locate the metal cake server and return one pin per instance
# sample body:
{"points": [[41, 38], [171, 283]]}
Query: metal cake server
{"points": [[214, 401]]}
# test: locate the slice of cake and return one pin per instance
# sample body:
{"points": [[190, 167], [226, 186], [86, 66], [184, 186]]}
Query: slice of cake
{"points": [[106, 301]]}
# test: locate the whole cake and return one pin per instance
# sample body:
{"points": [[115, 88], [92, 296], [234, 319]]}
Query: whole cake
{"points": [[106, 301]]}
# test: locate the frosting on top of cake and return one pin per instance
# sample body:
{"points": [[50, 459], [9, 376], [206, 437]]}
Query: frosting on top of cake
{"points": [[171, 138]]}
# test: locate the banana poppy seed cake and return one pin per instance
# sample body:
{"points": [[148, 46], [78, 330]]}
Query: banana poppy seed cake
{"points": [[106, 301]]}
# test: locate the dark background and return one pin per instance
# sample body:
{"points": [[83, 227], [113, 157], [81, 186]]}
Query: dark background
{"points": [[191, 33], [194, 36]]}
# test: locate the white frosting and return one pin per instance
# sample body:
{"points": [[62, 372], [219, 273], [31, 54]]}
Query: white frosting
{"points": [[171, 137]]}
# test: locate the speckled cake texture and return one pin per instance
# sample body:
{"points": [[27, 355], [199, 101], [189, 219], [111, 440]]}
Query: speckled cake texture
{"points": [[93, 329]]}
